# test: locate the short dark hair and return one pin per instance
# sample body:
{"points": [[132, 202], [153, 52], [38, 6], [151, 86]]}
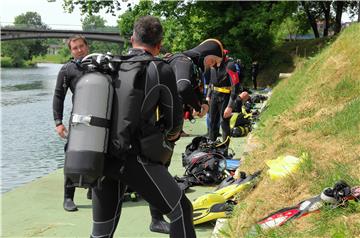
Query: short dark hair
{"points": [[74, 38], [148, 30]]}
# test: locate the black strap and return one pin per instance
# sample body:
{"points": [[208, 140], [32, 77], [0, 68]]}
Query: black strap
{"points": [[100, 122]]}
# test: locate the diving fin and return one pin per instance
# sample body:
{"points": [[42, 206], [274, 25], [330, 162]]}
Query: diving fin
{"points": [[238, 186], [284, 215]]}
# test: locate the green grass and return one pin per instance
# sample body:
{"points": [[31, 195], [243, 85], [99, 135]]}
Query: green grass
{"points": [[345, 124], [56, 59], [316, 111]]}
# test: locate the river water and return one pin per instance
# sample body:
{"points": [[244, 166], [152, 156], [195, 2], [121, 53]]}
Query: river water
{"points": [[30, 147]]}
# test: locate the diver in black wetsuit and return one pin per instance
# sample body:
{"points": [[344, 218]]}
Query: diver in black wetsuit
{"points": [[188, 67], [225, 89], [67, 77], [151, 180]]}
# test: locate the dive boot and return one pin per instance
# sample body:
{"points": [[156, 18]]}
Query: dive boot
{"points": [[69, 205], [160, 226], [89, 194]]}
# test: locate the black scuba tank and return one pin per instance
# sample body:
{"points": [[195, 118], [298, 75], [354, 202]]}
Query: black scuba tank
{"points": [[89, 129]]}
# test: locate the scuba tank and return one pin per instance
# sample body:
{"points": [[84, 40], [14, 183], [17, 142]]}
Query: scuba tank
{"points": [[89, 126]]}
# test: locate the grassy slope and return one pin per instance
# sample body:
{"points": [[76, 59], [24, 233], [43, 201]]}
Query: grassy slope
{"points": [[317, 112], [287, 56]]}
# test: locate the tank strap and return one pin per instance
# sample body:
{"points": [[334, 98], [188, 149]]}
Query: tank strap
{"points": [[90, 120]]}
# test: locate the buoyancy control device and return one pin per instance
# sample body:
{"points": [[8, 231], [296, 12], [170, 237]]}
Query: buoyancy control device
{"points": [[89, 125], [110, 101], [135, 125]]}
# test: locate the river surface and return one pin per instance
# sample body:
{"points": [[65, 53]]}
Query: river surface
{"points": [[30, 147]]}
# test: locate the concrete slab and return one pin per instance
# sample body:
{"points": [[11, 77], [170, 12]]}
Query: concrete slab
{"points": [[35, 209]]}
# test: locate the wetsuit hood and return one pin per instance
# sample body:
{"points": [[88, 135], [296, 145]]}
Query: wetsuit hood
{"points": [[205, 48]]}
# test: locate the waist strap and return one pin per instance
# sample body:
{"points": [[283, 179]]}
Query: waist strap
{"points": [[222, 89], [90, 120]]}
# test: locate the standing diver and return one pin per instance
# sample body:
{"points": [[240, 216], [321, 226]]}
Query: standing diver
{"points": [[225, 86], [188, 67], [67, 77], [126, 163]]}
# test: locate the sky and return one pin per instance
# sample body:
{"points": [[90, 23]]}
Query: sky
{"points": [[52, 13]]}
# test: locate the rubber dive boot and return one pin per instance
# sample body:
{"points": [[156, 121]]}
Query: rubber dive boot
{"points": [[69, 205], [89, 194], [160, 226]]}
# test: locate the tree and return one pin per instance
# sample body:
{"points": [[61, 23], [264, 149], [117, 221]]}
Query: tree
{"points": [[90, 7], [307, 6], [339, 8], [96, 23], [20, 51], [244, 27], [326, 7]]}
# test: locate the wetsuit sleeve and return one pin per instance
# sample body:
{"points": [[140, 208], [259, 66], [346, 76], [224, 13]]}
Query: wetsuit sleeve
{"points": [[59, 95], [235, 83], [183, 70], [167, 78]]}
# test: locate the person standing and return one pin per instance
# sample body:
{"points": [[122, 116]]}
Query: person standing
{"points": [[188, 68], [254, 73], [225, 84], [67, 78], [127, 164]]}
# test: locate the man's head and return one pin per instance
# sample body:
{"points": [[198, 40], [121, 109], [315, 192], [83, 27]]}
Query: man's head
{"points": [[147, 34], [78, 46]]}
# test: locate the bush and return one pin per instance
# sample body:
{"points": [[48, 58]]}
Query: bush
{"points": [[6, 62]]}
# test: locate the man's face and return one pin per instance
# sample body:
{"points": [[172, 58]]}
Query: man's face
{"points": [[78, 49]]}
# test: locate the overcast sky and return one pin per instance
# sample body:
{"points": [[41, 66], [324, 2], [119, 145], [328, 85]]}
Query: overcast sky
{"points": [[52, 13]]}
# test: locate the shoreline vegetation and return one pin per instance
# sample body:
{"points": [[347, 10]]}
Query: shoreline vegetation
{"points": [[285, 57], [6, 62]]}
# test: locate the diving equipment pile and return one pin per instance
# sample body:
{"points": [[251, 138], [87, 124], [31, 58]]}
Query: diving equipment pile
{"points": [[220, 203], [245, 115], [205, 162], [337, 196]]}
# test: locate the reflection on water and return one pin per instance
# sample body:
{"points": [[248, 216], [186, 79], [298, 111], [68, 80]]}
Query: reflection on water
{"points": [[30, 147], [23, 86]]}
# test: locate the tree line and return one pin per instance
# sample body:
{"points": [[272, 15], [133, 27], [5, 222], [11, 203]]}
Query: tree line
{"points": [[249, 29]]}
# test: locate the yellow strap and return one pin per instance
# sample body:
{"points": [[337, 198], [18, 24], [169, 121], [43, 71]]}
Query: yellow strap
{"points": [[227, 138], [233, 119], [246, 115], [222, 90], [157, 113]]}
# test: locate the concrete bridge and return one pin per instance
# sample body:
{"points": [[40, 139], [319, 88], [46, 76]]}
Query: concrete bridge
{"points": [[8, 33]]}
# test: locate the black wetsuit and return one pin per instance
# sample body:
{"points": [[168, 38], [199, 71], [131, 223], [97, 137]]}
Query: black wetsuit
{"points": [[152, 181], [187, 75], [67, 77], [225, 88]]}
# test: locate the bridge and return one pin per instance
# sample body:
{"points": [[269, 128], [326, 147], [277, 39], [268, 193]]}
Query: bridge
{"points": [[9, 33]]}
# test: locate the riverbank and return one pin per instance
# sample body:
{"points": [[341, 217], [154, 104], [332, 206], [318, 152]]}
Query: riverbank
{"points": [[6, 62]]}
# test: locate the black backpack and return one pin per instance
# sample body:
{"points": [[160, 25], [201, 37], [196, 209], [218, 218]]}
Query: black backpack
{"points": [[137, 92]]}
